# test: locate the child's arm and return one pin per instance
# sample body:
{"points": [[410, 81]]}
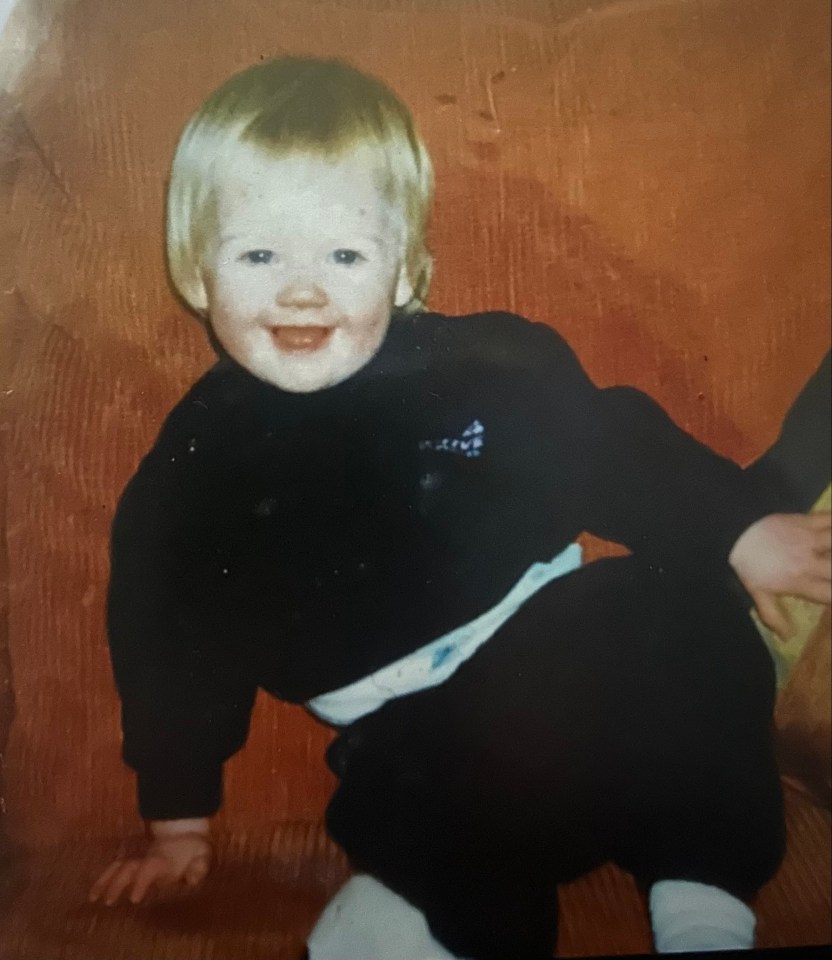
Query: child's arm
{"points": [[785, 554], [798, 462], [182, 670], [641, 481], [179, 852], [181, 667], [654, 488]]}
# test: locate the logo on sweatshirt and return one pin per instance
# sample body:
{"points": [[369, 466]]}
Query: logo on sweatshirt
{"points": [[470, 444]]}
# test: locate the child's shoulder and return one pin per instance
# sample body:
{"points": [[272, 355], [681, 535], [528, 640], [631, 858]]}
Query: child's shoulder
{"points": [[492, 327], [495, 323], [494, 336], [210, 407]]}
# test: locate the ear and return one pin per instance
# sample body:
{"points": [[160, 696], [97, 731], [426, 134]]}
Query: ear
{"points": [[404, 288], [199, 300], [198, 292]]}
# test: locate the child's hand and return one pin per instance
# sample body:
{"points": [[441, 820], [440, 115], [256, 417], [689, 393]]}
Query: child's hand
{"points": [[785, 553], [179, 853]]}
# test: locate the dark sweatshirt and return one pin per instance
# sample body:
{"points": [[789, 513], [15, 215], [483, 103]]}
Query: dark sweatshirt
{"points": [[298, 542]]}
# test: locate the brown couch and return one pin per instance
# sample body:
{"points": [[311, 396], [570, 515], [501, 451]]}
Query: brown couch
{"points": [[650, 177]]}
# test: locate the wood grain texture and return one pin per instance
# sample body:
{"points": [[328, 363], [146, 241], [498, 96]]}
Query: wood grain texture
{"points": [[270, 885], [649, 177]]}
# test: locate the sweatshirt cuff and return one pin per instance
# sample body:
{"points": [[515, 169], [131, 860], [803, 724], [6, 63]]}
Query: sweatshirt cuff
{"points": [[187, 792]]}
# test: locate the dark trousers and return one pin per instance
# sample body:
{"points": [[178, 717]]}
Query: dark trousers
{"points": [[623, 714]]}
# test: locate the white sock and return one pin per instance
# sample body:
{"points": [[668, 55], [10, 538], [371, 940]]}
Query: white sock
{"points": [[367, 921], [695, 916]]}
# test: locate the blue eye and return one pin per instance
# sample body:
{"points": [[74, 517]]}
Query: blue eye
{"points": [[347, 257], [257, 256]]}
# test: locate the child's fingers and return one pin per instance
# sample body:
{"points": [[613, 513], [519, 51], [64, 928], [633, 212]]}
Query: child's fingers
{"points": [[197, 871], [151, 871], [121, 881], [101, 883]]}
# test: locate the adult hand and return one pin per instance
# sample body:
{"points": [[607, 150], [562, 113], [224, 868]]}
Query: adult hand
{"points": [[785, 553]]}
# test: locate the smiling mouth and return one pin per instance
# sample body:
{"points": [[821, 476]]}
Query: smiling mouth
{"points": [[300, 339]]}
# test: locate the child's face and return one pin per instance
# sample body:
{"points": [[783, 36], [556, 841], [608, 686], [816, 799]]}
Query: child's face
{"points": [[306, 269]]}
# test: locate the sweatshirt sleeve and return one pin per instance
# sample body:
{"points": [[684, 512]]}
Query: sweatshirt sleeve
{"points": [[185, 692], [656, 489], [796, 468], [636, 477]]}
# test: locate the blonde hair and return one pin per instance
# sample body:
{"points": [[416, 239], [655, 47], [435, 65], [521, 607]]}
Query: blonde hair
{"points": [[292, 105]]}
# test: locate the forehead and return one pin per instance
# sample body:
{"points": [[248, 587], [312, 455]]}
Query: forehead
{"points": [[258, 187]]}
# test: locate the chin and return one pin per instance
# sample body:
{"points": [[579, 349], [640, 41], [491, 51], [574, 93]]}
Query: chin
{"points": [[306, 374]]}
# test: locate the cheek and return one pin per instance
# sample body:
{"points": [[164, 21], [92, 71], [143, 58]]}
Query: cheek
{"points": [[368, 301], [369, 318], [370, 331], [235, 285], [226, 333], [232, 303], [221, 313], [231, 326]]}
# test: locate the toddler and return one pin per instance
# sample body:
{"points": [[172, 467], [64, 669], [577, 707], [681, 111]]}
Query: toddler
{"points": [[371, 509]]}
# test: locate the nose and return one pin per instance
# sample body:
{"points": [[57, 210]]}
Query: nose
{"points": [[301, 293]]}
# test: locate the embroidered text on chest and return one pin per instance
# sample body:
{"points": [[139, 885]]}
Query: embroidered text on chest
{"points": [[470, 444]]}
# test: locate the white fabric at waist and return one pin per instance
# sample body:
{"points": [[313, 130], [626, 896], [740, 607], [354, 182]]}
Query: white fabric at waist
{"points": [[434, 663]]}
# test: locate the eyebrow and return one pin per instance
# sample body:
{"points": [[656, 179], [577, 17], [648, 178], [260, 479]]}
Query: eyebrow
{"points": [[372, 238]]}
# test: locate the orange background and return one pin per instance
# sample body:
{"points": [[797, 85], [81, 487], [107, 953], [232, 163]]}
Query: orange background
{"points": [[652, 178]]}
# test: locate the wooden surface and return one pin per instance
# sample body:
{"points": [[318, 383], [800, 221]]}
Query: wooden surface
{"points": [[652, 178], [270, 885]]}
